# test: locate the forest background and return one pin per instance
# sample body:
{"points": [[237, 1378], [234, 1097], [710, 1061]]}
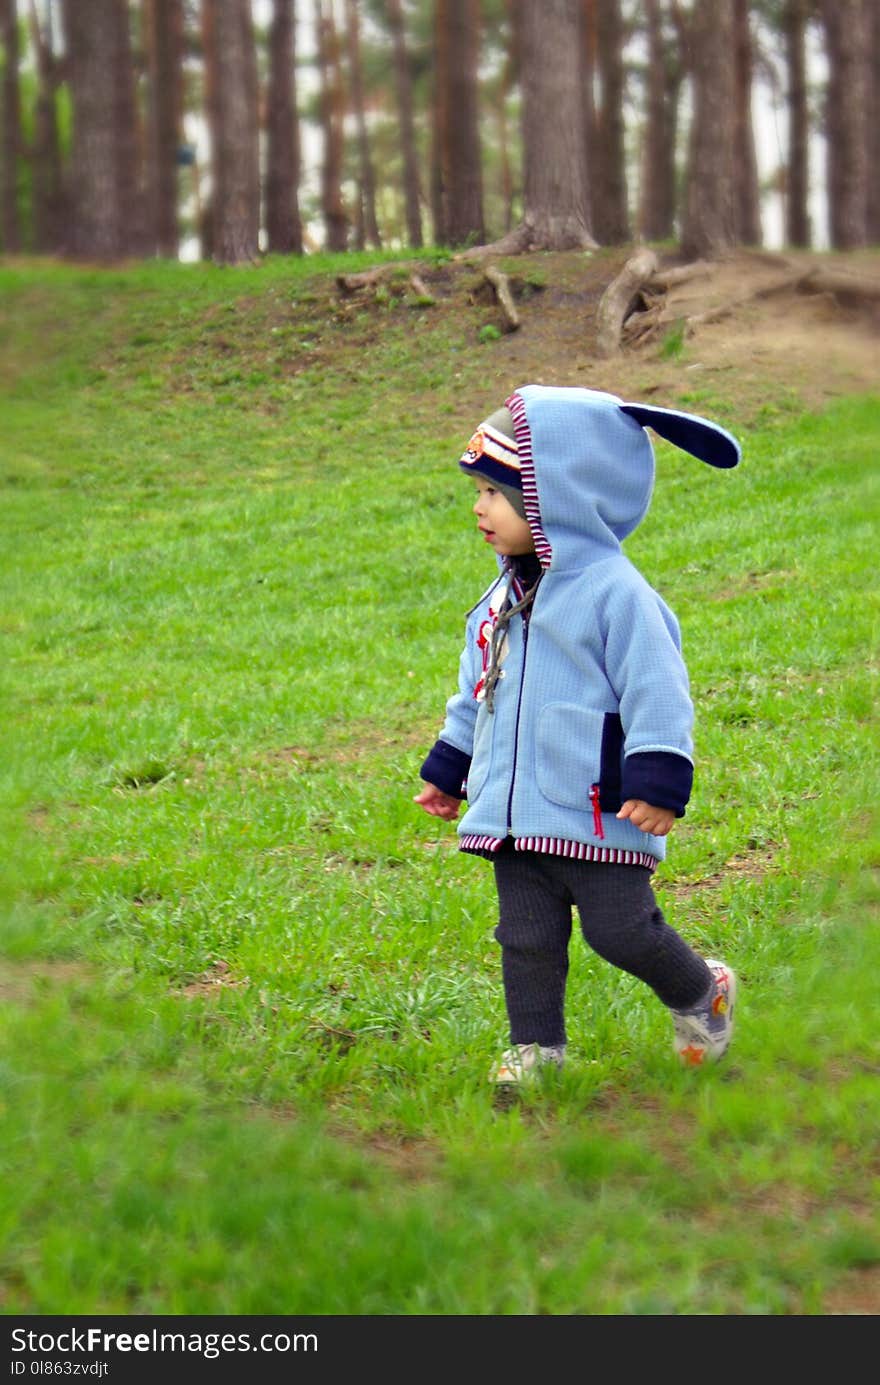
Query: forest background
{"points": [[249, 995], [136, 127]]}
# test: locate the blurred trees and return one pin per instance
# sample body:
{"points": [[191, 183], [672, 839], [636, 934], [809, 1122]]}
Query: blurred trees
{"points": [[456, 166], [105, 191], [241, 126], [556, 196], [708, 226], [284, 233], [45, 156], [230, 63], [163, 56], [846, 34], [11, 139]]}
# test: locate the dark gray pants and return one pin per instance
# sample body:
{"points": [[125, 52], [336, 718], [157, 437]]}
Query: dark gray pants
{"points": [[620, 920]]}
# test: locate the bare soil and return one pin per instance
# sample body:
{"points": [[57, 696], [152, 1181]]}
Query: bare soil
{"points": [[794, 344]]}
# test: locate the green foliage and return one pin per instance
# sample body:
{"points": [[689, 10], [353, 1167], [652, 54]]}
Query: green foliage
{"points": [[489, 332], [250, 994]]}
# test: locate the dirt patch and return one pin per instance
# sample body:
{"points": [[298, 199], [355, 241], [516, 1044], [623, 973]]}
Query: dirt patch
{"points": [[857, 1294], [217, 978], [751, 865], [771, 348], [21, 982]]}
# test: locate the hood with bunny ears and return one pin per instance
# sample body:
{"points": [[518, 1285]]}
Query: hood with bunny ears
{"points": [[587, 466]]}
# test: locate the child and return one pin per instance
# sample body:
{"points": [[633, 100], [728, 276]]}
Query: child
{"points": [[570, 734]]}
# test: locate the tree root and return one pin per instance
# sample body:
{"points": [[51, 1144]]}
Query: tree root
{"points": [[634, 309], [351, 284], [501, 285], [619, 299]]}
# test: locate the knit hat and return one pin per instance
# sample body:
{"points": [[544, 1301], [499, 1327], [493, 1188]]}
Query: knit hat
{"points": [[493, 454]]}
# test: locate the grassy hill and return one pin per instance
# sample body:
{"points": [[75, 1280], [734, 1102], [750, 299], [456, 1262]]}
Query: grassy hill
{"points": [[250, 994]]}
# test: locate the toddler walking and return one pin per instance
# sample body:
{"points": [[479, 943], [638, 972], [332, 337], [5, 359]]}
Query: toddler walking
{"points": [[570, 735]]}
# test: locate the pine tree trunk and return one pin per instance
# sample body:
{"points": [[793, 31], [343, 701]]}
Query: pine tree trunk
{"points": [[797, 220], [129, 140], [332, 117], [403, 83], [589, 65], [709, 227], [47, 188], [10, 147], [231, 82], [664, 78], [366, 178], [503, 127], [284, 234], [746, 194], [100, 199], [460, 159], [847, 179], [163, 33], [610, 212], [872, 109], [439, 99], [556, 214]]}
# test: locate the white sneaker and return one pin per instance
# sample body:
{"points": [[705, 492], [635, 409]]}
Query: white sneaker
{"points": [[523, 1063], [704, 1034]]}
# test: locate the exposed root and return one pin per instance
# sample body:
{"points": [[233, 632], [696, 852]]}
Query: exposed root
{"points": [[501, 285]]}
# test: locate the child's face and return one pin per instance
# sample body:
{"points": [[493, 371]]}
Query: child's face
{"points": [[499, 522]]}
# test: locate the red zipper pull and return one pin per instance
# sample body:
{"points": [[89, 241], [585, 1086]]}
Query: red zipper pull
{"points": [[597, 810]]}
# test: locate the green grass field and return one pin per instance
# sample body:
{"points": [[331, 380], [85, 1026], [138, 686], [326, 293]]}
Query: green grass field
{"points": [[250, 993]]}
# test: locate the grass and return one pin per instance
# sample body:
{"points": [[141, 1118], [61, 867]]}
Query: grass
{"points": [[250, 994]]}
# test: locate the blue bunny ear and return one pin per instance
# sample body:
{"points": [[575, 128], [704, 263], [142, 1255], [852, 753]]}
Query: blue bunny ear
{"points": [[699, 436]]}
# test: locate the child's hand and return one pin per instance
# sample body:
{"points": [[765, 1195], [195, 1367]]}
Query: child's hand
{"points": [[438, 803], [657, 821]]}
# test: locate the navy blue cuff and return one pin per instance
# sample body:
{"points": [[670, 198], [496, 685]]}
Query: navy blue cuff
{"points": [[658, 777], [447, 768]]}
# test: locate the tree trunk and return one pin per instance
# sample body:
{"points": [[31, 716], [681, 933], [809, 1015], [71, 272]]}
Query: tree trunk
{"points": [[105, 221], [10, 148], [709, 227], [231, 89], [459, 193], [556, 213], [163, 34], [872, 108], [589, 67], [46, 177], [130, 153], [332, 103], [283, 222], [746, 194], [847, 178], [509, 77], [439, 97], [610, 212], [403, 82], [664, 79], [369, 227], [797, 219]]}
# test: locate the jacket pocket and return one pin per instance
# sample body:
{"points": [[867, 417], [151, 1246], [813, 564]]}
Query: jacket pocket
{"points": [[567, 752], [481, 760], [577, 748]]}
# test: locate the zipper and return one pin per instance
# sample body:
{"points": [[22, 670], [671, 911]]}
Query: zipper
{"points": [[597, 811]]}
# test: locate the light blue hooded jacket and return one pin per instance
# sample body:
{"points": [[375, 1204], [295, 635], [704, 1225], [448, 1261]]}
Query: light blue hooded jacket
{"points": [[592, 705]]}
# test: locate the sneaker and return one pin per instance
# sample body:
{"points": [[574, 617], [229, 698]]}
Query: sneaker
{"points": [[704, 1034], [523, 1063]]}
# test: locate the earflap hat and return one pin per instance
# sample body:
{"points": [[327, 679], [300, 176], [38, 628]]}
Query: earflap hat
{"points": [[492, 453]]}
